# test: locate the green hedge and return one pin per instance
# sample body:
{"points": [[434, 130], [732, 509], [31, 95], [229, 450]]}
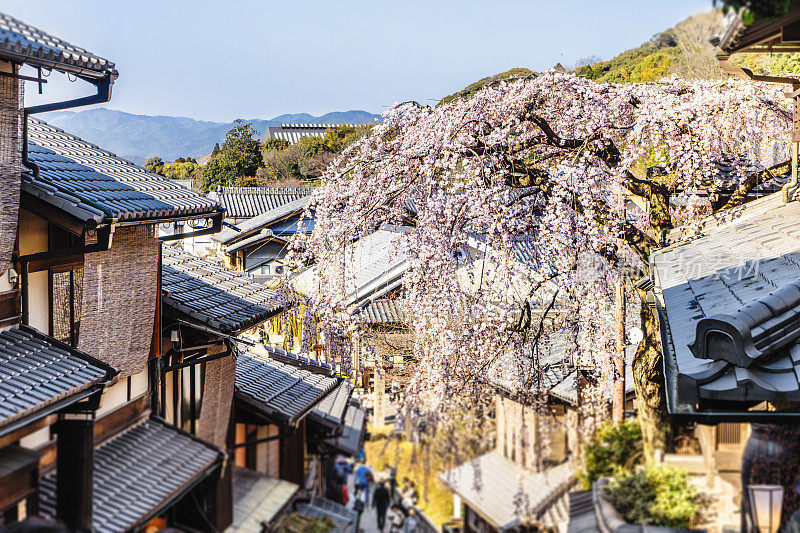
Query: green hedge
{"points": [[614, 447], [654, 496]]}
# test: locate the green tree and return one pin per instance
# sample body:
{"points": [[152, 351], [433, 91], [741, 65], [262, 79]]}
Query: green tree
{"points": [[216, 150], [275, 144], [239, 156], [154, 165]]}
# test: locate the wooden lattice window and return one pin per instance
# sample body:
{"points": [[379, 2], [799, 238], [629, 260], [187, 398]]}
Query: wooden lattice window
{"points": [[729, 434], [66, 285]]}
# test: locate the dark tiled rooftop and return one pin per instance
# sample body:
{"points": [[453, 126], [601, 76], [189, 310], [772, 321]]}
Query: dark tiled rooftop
{"points": [[352, 437], [385, 311], [251, 227], [330, 411], [298, 360], [137, 472], [279, 391], [248, 202], [228, 301], [733, 269], [37, 371], [344, 519], [91, 183], [22, 42]]}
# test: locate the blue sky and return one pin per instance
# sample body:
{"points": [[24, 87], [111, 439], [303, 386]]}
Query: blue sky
{"points": [[218, 60]]}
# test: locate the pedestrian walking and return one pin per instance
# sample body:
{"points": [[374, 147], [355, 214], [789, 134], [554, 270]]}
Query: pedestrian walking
{"points": [[396, 519], [363, 479], [380, 501], [411, 522]]}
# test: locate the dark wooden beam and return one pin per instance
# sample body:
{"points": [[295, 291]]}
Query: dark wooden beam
{"points": [[74, 482], [46, 211]]}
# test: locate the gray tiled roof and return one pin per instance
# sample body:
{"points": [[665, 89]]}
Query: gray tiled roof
{"points": [[247, 202], [566, 389], [555, 361], [294, 132], [491, 484], [252, 226], [344, 519], [24, 43], [330, 411], [298, 360], [385, 311], [279, 391], [352, 437], [228, 301], [734, 275], [37, 371], [257, 499], [137, 472], [762, 35], [91, 183]]}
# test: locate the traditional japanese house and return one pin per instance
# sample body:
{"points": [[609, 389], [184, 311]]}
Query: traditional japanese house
{"points": [[244, 203], [515, 469], [260, 244], [726, 301], [80, 317], [287, 410], [292, 133]]}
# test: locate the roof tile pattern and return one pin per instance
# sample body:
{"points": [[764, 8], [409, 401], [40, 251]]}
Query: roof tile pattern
{"points": [[24, 42], [385, 311], [501, 483], [330, 411], [344, 519], [83, 178], [247, 202], [36, 371], [718, 274], [250, 227], [228, 301], [138, 471], [352, 437], [279, 391]]}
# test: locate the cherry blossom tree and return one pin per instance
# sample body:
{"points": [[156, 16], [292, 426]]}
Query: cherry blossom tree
{"points": [[532, 164]]}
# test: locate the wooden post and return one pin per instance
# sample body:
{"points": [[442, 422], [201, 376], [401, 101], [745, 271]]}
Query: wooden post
{"points": [[75, 463], [618, 396]]}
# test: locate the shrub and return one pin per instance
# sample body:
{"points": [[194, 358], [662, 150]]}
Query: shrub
{"points": [[654, 496], [614, 447]]}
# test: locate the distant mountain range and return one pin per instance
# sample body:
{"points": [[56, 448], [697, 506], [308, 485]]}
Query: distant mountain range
{"points": [[139, 137]]}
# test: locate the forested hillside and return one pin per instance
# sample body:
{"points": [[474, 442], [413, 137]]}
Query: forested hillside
{"points": [[683, 50]]}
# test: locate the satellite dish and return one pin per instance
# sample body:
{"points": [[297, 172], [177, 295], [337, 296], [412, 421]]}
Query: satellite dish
{"points": [[635, 335]]}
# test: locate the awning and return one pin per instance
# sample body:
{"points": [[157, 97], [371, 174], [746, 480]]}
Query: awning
{"points": [[40, 375], [139, 474], [352, 437], [277, 391], [258, 499], [500, 482]]}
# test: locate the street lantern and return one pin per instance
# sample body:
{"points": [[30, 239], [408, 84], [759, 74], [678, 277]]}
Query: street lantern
{"points": [[766, 505]]}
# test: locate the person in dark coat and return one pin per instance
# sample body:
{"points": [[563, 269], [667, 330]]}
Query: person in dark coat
{"points": [[380, 501]]}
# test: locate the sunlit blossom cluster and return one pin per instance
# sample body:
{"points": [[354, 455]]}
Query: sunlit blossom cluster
{"points": [[473, 296]]}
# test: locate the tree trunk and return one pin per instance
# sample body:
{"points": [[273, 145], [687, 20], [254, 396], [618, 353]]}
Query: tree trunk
{"points": [[648, 379]]}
